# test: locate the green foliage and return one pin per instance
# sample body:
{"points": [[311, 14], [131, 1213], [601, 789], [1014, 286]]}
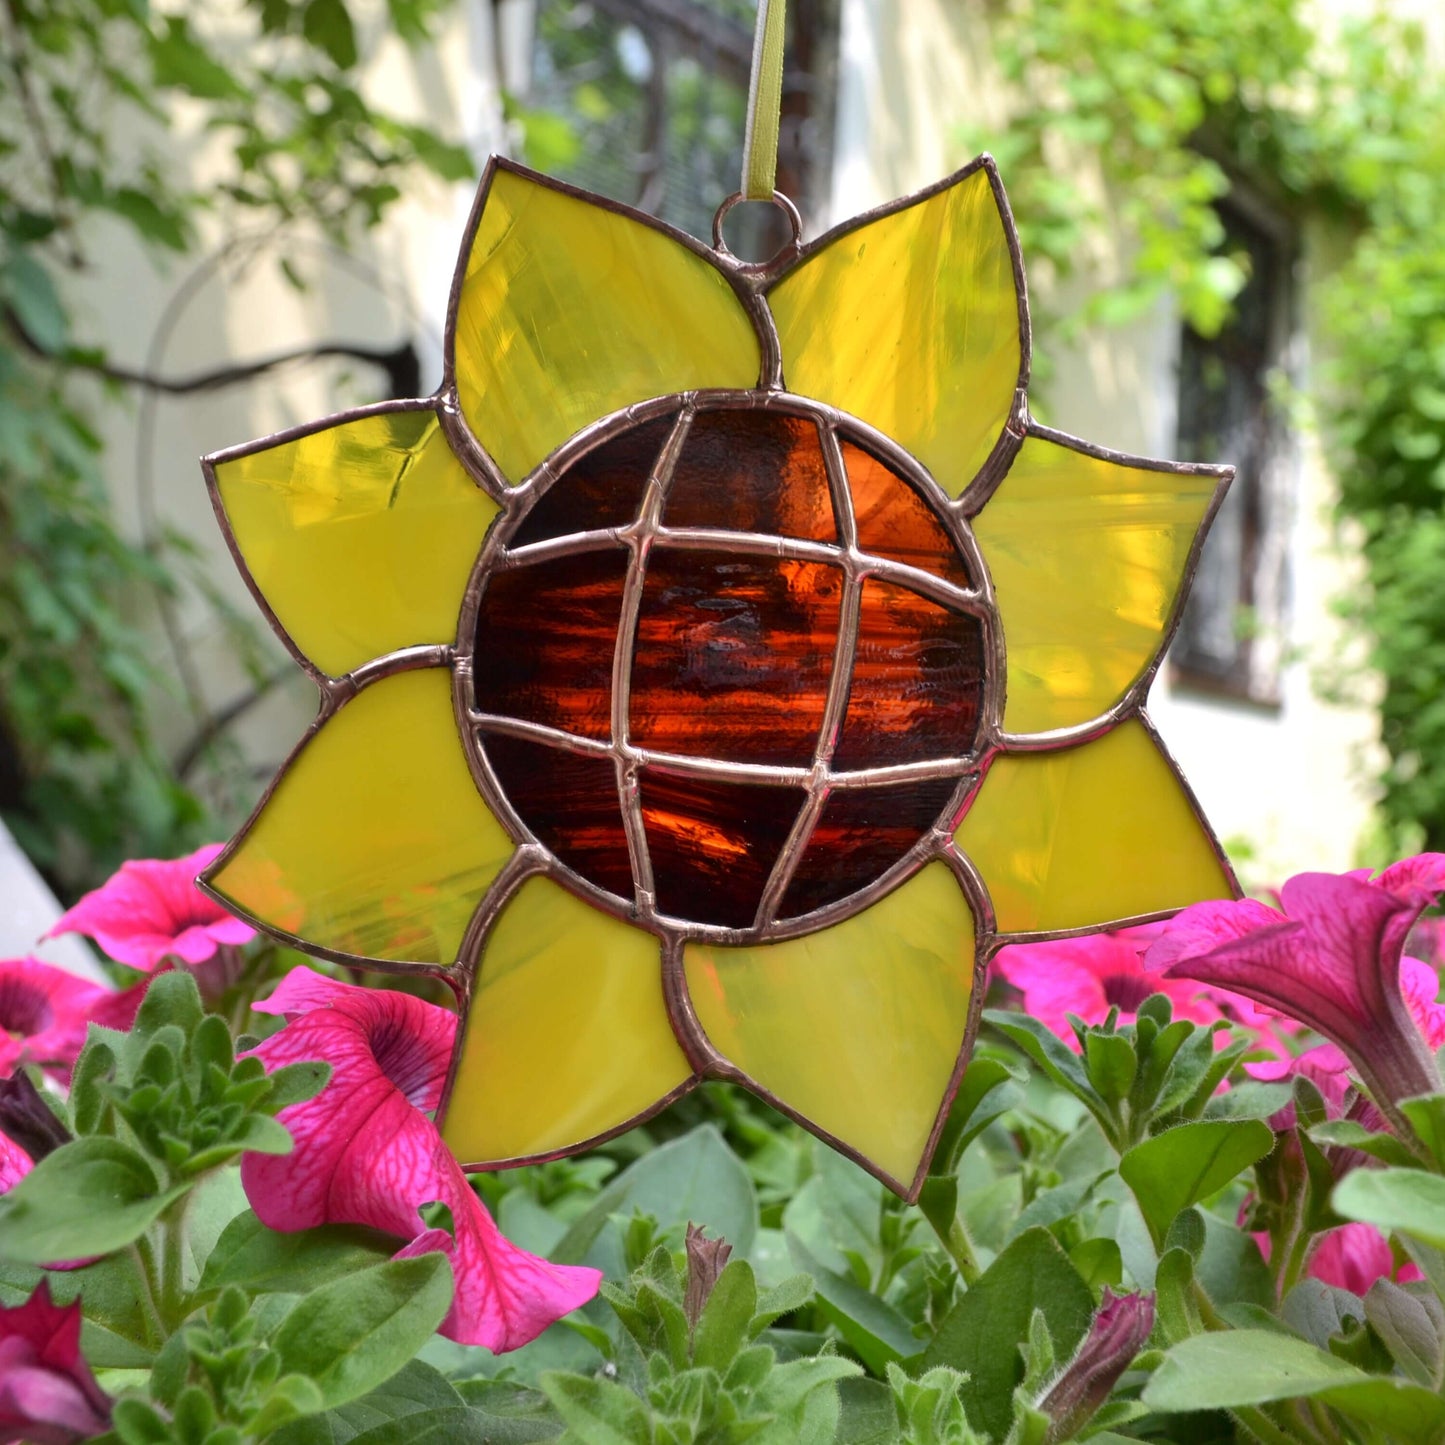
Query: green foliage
{"points": [[156, 1110], [93, 89], [705, 1381], [1341, 124]]}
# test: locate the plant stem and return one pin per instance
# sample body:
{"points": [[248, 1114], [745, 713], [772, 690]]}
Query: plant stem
{"points": [[956, 1241], [141, 1259], [1261, 1426]]}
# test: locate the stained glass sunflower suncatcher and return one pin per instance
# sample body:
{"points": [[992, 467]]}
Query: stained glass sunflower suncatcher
{"points": [[715, 669]]}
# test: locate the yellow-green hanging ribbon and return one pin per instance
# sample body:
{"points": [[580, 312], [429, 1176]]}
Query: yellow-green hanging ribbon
{"points": [[765, 103]]}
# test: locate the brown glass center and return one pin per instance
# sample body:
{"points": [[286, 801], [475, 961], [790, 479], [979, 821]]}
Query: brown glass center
{"points": [[702, 622]]}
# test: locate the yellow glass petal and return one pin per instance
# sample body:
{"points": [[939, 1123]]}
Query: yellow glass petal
{"points": [[361, 536], [856, 1028], [1086, 836], [567, 1036], [376, 841], [1087, 557], [911, 323], [569, 311]]}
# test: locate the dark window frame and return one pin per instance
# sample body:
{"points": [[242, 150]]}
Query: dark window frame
{"points": [[1246, 555]]}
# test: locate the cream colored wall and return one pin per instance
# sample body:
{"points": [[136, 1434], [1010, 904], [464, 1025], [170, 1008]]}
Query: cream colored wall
{"points": [[233, 306], [1292, 783]]}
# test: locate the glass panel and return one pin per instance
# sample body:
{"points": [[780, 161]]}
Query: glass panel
{"points": [[752, 471], [734, 655], [361, 536], [602, 488], [857, 1028], [714, 844], [910, 323], [917, 681], [1086, 557], [1089, 835], [546, 633], [570, 803], [896, 523], [569, 311], [860, 834], [376, 841], [567, 1036]]}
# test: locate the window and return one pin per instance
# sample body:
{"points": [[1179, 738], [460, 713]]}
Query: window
{"points": [[645, 101], [1230, 640]]}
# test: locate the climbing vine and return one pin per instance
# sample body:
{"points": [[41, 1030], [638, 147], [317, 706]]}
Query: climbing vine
{"points": [[1344, 123]]}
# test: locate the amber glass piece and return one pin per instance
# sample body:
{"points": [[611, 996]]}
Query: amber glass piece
{"points": [[360, 535], [1087, 557], [713, 844], [733, 656], [917, 681], [567, 1037], [857, 1028], [895, 522], [375, 841], [860, 834], [570, 803], [546, 633], [1089, 836], [568, 312], [910, 322], [752, 471], [602, 488]]}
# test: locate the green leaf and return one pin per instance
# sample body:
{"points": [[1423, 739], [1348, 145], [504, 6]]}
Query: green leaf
{"points": [[179, 60], [90, 1197], [1347, 1134], [1111, 1063], [295, 1083], [265, 1261], [1045, 1048], [1234, 1368], [1188, 1163], [1427, 1117], [356, 1332], [982, 1334], [870, 1325], [868, 1417], [1412, 1328], [988, 1089], [1099, 1263], [695, 1179], [598, 1412], [416, 1395], [327, 25], [1408, 1200], [725, 1324], [27, 286]]}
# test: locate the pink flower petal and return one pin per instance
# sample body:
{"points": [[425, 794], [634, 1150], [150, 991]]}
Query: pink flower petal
{"points": [[15, 1163], [1420, 985], [1424, 873], [1352, 1257], [151, 909], [505, 1296], [366, 1154], [44, 1012], [303, 989], [47, 1390], [1203, 927]]}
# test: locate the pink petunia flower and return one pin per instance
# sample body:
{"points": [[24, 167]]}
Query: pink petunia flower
{"points": [[1331, 959], [152, 910], [1090, 975], [44, 1011], [366, 1153], [48, 1394], [15, 1163]]}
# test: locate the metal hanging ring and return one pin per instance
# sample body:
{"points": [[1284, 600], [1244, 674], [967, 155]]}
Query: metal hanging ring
{"points": [[795, 224]]}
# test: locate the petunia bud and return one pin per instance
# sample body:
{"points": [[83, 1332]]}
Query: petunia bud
{"points": [[705, 1261], [27, 1119], [1120, 1328]]}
